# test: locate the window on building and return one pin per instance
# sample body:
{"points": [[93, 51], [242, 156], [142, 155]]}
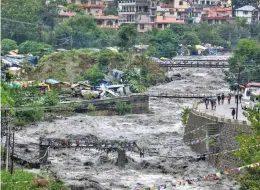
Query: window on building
{"points": [[73, 1], [203, 2], [159, 26], [141, 26], [93, 2], [208, 2], [152, 19], [181, 3], [245, 12]]}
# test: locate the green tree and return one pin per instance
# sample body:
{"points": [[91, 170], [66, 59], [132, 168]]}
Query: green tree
{"points": [[51, 98], [111, 8], [74, 8], [50, 11], [35, 48], [123, 107], [127, 34], [18, 16], [181, 29], [166, 43], [190, 38], [249, 152], [7, 45], [83, 30], [6, 96], [246, 57], [94, 75]]}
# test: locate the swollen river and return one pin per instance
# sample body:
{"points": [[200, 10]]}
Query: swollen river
{"points": [[160, 130]]}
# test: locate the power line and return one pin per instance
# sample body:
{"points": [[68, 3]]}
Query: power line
{"points": [[11, 20]]}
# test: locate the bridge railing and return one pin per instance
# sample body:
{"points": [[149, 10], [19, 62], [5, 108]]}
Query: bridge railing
{"points": [[178, 95]]}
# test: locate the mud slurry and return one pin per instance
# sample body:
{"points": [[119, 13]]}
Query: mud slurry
{"points": [[161, 131]]}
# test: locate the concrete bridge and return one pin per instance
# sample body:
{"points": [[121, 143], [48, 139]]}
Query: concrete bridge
{"points": [[196, 61]]}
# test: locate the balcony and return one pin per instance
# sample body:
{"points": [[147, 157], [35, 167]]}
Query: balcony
{"points": [[127, 2], [126, 12], [126, 21]]}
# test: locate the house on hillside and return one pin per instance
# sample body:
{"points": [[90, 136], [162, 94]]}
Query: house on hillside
{"points": [[165, 21], [251, 13], [217, 15]]}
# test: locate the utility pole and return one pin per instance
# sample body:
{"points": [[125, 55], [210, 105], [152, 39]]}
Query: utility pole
{"points": [[12, 164], [40, 33], [207, 139], [238, 80], [7, 146], [71, 42]]}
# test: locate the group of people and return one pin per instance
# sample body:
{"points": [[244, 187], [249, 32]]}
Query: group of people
{"points": [[213, 101], [220, 98]]}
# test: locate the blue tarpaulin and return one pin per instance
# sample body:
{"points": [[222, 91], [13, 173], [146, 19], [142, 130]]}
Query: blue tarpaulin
{"points": [[33, 60]]}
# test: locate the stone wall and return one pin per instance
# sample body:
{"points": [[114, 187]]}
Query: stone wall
{"points": [[227, 130], [140, 104]]}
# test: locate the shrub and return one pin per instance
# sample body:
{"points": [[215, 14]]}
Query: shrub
{"points": [[94, 75], [184, 115], [88, 96], [123, 107], [51, 99], [32, 114], [91, 107], [8, 45]]}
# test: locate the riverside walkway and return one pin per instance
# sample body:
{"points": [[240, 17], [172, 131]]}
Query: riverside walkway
{"points": [[223, 110]]}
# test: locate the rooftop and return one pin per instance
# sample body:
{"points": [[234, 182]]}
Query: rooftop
{"points": [[246, 8], [165, 19], [67, 14], [111, 17]]}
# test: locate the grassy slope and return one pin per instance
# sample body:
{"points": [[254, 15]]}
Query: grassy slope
{"points": [[64, 66]]}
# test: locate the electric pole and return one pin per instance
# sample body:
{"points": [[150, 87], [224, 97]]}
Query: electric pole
{"points": [[40, 33], [238, 80], [12, 164], [71, 42]]}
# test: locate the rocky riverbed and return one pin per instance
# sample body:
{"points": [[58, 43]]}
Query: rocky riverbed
{"points": [[161, 130]]}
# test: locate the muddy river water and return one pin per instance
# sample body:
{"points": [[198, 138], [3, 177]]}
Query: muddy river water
{"points": [[161, 129]]}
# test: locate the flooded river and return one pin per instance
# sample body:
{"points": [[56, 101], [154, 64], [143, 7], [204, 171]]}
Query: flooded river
{"points": [[161, 129]]}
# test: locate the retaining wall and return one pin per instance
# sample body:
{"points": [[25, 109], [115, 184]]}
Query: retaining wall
{"points": [[228, 130]]}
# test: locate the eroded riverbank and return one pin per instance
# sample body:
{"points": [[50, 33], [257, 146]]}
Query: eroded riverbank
{"points": [[161, 129]]}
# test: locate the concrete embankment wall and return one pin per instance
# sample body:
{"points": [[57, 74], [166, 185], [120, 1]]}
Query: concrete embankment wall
{"points": [[227, 130], [140, 104]]}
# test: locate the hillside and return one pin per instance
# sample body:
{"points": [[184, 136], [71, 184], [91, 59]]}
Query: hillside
{"points": [[71, 66], [64, 66]]}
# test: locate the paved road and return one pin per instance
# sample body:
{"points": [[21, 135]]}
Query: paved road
{"points": [[224, 110]]}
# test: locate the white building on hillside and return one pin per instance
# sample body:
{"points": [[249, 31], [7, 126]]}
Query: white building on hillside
{"points": [[249, 12]]}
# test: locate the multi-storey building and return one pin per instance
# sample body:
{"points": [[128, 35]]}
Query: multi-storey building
{"points": [[94, 7], [140, 12], [249, 12], [217, 15]]}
